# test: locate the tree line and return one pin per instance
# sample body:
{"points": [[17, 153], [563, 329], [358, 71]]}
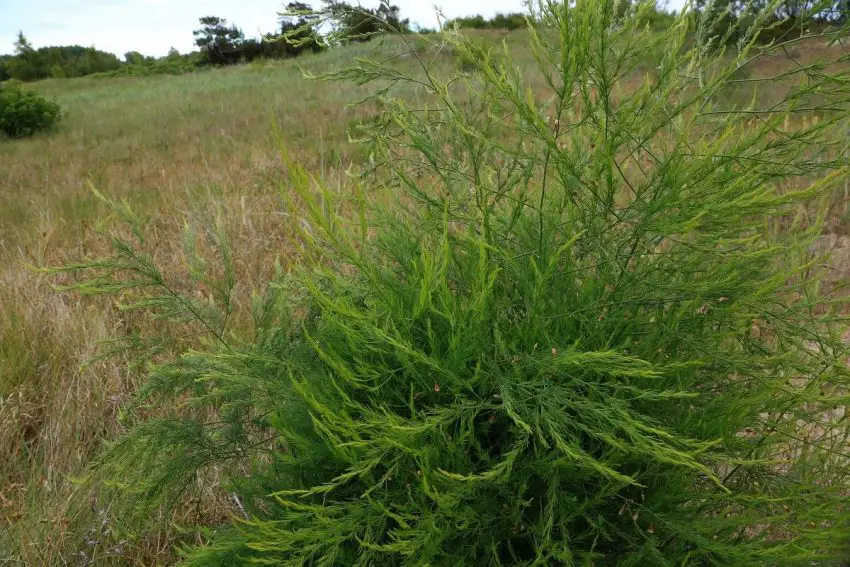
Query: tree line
{"points": [[732, 18], [786, 9], [218, 41], [29, 64], [658, 18], [735, 13], [301, 29]]}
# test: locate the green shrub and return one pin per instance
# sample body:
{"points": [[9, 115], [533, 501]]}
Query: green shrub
{"points": [[500, 21], [23, 112], [509, 21], [589, 330], [186, 64], [471, 22]]}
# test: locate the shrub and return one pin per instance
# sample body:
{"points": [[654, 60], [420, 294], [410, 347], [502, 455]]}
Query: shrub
{"points": [[172, 64], [4, 68], [588, 331], [23, 112], [509, 21], [500, 21], [471, 22]]}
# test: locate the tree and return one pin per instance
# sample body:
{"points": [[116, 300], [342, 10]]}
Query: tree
{"points": [[500, 21], [297, 14], [837, 11], [361, 24], [390, 15], [741, 11], [793, 9], [726, 19], [25, 66], [221, 44], [22, 45], [134, 58], [217, 41], [842, 11], [30, 64], [4, 71], [298, 32]]}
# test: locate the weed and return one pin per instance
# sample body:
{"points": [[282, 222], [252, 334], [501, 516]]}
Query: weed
{"points": [[589, 329]]}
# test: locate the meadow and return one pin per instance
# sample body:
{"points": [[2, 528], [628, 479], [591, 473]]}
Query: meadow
{"points": [[179, 148], [197, 150], [176, 147]]}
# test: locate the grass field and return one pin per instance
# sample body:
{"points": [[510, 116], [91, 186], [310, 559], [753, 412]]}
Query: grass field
{"points": [[179, 148], [182, 150]]}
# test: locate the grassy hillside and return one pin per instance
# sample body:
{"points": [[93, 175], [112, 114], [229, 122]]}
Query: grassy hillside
{"points": [[184, 150]]}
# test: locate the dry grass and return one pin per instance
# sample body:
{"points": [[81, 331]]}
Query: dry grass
{"points": [[179, 149]]}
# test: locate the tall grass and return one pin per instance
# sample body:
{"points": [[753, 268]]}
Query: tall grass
{"points": [[178, 147], [590, 329]]}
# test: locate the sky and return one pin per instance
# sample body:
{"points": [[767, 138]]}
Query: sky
{"points": [[154, 26]]}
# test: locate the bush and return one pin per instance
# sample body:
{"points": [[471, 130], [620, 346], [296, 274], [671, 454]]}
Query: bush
{"points": [[509, 21], [588, 331], [23, 113], [471, 22], [500, 21], [171, 65], [4, 70]]}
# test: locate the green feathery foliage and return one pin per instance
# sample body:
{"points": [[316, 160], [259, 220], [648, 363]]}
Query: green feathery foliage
{"points": [[590, 330]]}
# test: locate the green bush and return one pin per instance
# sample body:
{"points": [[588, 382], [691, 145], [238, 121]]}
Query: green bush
{"points": [[500, 21], [23, 112], [471, 22], [509, 21], [588, 330], [173, 65]]}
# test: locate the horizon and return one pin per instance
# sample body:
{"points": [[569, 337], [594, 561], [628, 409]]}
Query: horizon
{"points": [[152, 27]]}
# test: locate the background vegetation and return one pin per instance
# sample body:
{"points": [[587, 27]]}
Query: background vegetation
{"points": [[179, 148], [200, 151], [218, 42]]}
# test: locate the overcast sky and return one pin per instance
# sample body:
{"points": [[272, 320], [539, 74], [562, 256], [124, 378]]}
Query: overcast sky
{"points": [[153, 26]]}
